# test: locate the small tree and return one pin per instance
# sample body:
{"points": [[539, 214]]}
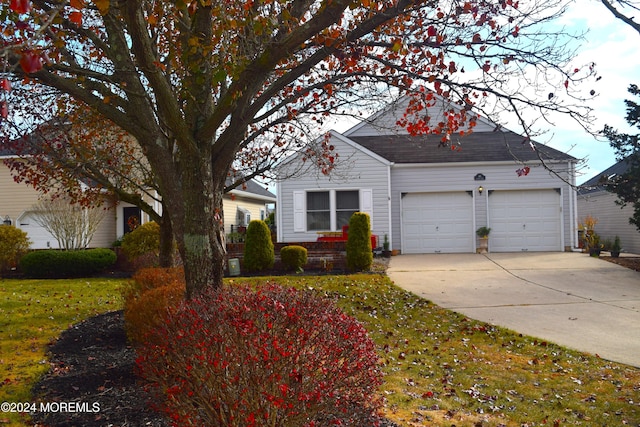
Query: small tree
{"points": [[359, 251], [72, 225], [259, 252], [13, 244]]}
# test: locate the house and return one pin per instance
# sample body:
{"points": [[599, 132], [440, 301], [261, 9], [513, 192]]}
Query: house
{"points": [[17, 202], [595, 200], [427, 198]]}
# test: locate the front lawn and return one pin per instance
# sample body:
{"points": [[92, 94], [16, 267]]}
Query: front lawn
{"points": [[32, 314], [441, 368]]}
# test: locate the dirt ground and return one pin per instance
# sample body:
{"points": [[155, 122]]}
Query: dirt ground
{"points": [[626, 261]]}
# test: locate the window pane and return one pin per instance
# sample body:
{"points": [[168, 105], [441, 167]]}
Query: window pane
{"points": [[343, 217], [318, 213], [347, 200], [318, 201], [319, 221]]}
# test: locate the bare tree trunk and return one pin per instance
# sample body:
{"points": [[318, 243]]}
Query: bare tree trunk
{"points": [[196, 216], [166, 250]]}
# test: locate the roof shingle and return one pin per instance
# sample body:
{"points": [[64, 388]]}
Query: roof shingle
{"points": [[474, 147]]}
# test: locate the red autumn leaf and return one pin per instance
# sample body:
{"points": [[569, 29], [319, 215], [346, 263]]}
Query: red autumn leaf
{"points": [[431, 31], [77, 4], [5, 84], [4, 109], [76, 18], [20, 6], [30, 62], [566, 84]]}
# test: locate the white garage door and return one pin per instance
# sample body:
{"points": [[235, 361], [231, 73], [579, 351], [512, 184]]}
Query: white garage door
{"points": [[524, 221], [40, 238], [437, 223]]}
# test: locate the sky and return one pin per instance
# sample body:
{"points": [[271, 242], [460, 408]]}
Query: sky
{"points": [[615, 49]]}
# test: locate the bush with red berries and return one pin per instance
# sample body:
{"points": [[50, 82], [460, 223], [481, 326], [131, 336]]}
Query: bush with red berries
{"points": [[273, 356]]}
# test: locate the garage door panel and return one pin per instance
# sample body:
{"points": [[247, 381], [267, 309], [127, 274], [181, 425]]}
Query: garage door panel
{"points": [[437, 222], [527, 220]]}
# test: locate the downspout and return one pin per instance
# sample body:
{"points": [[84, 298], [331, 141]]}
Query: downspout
{"points": [[390, 222], [573, 203], [278, 211]]}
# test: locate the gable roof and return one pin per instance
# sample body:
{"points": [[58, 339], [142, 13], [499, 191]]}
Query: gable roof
{"points": [[475, 147], [595, 184], [252, 189]]}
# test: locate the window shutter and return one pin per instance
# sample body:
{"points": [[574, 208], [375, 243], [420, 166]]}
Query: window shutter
{"points": [[299, 211], [366, 203]]}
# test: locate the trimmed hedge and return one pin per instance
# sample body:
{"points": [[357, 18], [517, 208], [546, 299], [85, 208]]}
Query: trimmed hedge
{"points": [[359, 252], [259, 253], [293, 257], [55, 264]]}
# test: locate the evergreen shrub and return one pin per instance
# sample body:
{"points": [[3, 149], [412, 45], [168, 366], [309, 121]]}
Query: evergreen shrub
{"points": [[13, 244], [293, 257], [359, 251], [55, 264], [259, 252]]}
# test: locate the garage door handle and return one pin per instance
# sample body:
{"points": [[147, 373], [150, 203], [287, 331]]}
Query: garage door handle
{"points": [[524, 226]]}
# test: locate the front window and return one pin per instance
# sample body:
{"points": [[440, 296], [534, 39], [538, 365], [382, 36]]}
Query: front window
{"points": [[318, 211], [330, 210], [347, 203]]}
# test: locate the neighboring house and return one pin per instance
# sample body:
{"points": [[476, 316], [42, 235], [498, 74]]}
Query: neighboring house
{"points": [[595, 200], [17, 201], [430, 199]]}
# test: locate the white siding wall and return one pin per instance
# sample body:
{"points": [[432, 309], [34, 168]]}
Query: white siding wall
{"points": [[612, 220], [460, 177], [354, 170]]}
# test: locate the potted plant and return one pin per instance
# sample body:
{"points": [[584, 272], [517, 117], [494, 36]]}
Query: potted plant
{"points": [[385, 247], [483, 234], [616, 247]]}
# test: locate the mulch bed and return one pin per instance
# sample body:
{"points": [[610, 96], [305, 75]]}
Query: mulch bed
{"points": [[625, 261], [92, 362]]}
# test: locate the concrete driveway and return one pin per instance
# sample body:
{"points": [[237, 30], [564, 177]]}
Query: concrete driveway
{"points": [[568, 298]]}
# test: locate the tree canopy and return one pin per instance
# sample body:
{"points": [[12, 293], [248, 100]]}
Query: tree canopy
{"points": [[212, 89], [627, 148]]}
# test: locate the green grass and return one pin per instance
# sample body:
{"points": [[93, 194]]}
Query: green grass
{"points": [[32, 314], [444, 369], [441, 368]]}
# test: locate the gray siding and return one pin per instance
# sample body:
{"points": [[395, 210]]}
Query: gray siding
{"points": [[460, 177], [612, 220], [354, 170], [385, 121]]}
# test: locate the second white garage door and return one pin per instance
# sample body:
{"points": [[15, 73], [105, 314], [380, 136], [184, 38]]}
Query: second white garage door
{"points": [[526, 220], [437, 223]]}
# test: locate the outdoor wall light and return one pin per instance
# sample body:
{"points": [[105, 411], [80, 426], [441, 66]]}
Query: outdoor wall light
{"points": [[7, 220], [480, 189]]}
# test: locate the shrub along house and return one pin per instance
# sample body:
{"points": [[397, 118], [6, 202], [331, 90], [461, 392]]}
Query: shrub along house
{"points": [[431, 199]]}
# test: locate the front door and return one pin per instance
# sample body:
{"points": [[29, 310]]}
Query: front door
{"points": [[132, 218]]}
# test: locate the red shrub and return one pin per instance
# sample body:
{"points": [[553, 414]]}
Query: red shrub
{"points": [[148, 297], [271, 357]]}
